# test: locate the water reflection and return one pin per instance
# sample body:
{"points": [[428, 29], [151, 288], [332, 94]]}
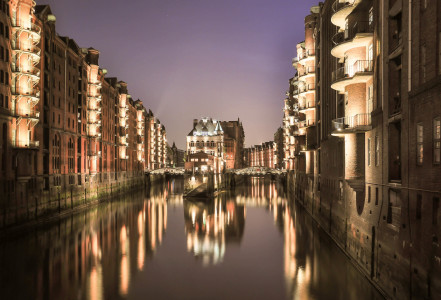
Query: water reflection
{"points": [[210, 226], [134, 247]]}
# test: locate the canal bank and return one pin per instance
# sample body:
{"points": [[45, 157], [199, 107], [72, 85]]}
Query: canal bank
{"points": [[361, 228], [37, 203]]}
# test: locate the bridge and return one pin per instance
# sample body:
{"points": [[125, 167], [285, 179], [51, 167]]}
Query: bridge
{"points": [[257, 171], [166, 171]]}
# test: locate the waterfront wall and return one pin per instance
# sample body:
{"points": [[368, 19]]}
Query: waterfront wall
{"points": [[32, 202], [395, 248]]}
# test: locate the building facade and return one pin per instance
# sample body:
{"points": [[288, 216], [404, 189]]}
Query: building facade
{"points": [[261, 155], [367, 168], [234, 139], [207, 136], [68, 133]]}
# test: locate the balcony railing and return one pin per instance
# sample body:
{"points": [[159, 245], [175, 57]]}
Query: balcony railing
{"points": [[358, 122], [31, 93], [349, 70], [28, 27], [26, 144], [306, 123], [307, 53], [31, 71], [27, 114], [310, 104], [307, 87], [307, 70], [341, 5], [352, 31]]}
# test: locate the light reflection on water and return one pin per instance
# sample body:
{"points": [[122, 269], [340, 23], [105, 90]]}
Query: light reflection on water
{"points": [[135, 248]]}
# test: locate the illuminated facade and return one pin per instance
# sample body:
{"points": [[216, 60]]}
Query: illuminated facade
{"points": [[156, 143], [263, 155], [369, 175], [207, 136], [68, 133]]}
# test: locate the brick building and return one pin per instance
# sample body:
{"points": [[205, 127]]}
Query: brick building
{"points": [[234, 138], [367, 168], [67, 131], [260, 155]]}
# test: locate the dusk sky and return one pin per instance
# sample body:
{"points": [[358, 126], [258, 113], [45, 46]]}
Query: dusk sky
{"points": [[192, 58]]}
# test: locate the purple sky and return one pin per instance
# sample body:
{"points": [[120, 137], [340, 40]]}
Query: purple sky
{"points": [[191, 58]]}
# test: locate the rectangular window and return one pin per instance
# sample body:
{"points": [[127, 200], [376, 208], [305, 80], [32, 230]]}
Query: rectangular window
{"points": [[436, 140], [369, 151], [377, 150], [419, 205], [420, 148]]}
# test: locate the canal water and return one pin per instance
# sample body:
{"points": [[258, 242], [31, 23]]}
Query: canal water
{"points": [[246, 244]]}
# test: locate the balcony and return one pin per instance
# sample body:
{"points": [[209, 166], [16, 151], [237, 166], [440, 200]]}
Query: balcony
{"points": [[341, 10], [307, 88], [32, 72], [352, 124], [306, 123], [29, 49], [27, 114], [30, 145], [358, 35], [33, 95], [307, 72], [306, 55], [307, 106], [295, 61], [358, 72], [96, 84], [31, 28], [94, 97]]}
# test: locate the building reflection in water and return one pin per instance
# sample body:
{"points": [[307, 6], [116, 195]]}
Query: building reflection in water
{"points": [[210, 226]]}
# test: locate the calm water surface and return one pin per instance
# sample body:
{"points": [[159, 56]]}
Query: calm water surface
{"points": [[248, 244]]}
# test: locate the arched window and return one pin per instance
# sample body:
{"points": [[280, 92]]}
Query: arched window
{"points": [[212, 143]]}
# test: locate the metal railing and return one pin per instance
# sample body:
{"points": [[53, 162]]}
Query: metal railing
{"points": [[357, 122], [306, 123], [310, 104], [30, 27], [306, 53], [349, 70], [351, 31], [31, 92], [30, 114], [31, 71], [26, 144], [337, 5]]}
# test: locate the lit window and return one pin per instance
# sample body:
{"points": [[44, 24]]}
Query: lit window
{"points": [[436, 140], [420, 148]]}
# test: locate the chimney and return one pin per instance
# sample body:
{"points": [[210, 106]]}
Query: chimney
{"points": [[195, 122]]}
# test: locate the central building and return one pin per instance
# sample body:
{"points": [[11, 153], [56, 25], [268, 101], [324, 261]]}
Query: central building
{"points": [[205, 147]]}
